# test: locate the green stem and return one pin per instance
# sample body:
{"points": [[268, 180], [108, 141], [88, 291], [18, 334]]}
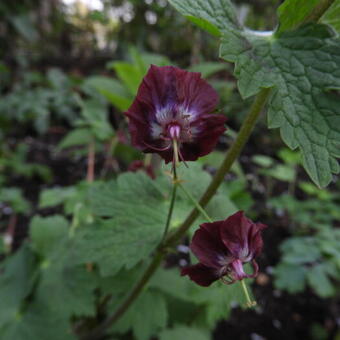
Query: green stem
{"points": [[172, 204], [318, 11], [196, 204], [250, 302], [231, 156]]}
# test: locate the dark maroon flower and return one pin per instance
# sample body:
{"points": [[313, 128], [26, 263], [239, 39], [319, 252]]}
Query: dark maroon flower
{"points": [[139, 165], [222, 247], [172, 111]]}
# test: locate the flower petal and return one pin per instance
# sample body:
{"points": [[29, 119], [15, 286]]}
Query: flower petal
{"points": [[201, 274], [208, 247], [242, 237], [208, 129]]}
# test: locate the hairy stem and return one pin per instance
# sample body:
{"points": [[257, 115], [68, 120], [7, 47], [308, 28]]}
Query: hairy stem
{"points": [[196, 204], [318, 11], [172, 203]]}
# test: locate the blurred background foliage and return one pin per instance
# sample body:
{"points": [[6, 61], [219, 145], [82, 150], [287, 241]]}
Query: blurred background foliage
{"points": [[68, 69]]}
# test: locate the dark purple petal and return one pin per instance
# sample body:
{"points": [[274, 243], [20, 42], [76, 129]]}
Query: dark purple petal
{"points": [[210, 127], [201, 274], [242, 237], [173, 104], [208, 247], [194, 93], [237, 271]]}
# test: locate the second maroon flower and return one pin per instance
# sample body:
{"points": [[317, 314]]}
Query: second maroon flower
{"points": [[222, 247]]}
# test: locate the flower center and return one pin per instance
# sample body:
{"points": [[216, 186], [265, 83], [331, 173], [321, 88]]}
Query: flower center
{"points": [[174, 131]]}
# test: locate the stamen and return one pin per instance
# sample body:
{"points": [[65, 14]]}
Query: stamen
{"points": [[157, 149]]}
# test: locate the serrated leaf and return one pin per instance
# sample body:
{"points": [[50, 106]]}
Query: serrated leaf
{"points": [[117, 243], [301, 67], [292, 12], [215, 16], [147, 317], [184, 332], [68, 291], [16, 281], [37, 322], [65, 289]]}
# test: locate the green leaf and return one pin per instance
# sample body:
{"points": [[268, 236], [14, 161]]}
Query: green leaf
{"points": [[184, 332], [147, 317], [129, 74], [72, 287], [214, 16], [215, 302], [81, 136], [14, 198], [37, 322], [207, 69], [317, 277], [117, 243], [55, 196], [95, 115], [292, 12], [290, 277], [47, 232], [16, 281], [66, 290], [301, 67], [332, 15], [111, 90]]}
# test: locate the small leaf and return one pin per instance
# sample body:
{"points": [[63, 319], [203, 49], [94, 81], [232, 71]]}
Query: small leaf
{"points": [[76, 137], [112, 90], [290, 277], [317, 277]]}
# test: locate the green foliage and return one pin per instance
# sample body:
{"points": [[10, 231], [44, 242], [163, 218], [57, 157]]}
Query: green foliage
{"points": [[207, 69], [16, 162], [331, 17], [305, 123], [147, 317], [183, 332], [214, 16], [39, 99], [296, 64], [292, 12], [16, 282], [121, 92], [15, 199], [313, 260]]}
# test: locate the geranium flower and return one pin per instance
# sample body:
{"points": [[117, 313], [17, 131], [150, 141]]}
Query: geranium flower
{"points": [[171, 115], [222, 247]]}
